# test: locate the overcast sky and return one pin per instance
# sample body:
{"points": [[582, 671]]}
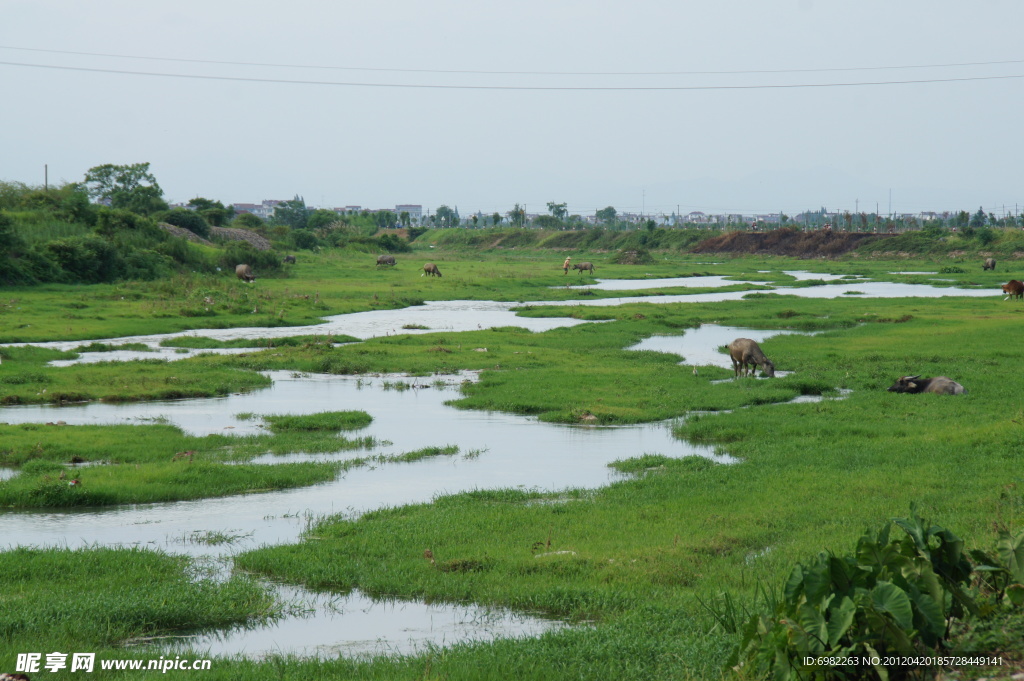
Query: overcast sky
{"points": [[320, 101]]}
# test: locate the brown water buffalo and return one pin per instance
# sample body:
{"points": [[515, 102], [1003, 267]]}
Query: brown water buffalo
{"points": [[1013, 289], [990, 264], [244, 272], [431, 269], [388, 260], [939, 385], [745, 354], [581, 266], [289, 259]]}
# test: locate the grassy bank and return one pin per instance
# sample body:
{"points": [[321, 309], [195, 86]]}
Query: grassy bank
{"points": [[94, 600]]}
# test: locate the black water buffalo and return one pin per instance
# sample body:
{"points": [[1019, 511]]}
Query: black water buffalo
{"points": [[244, 272], [581, 266], [939, 385], [431, 269], [387, 260], [990, 264], [746, 354], [289, 259]]}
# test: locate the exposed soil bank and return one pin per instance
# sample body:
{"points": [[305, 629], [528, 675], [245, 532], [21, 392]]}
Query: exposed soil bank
{"points": [[789, 242]]}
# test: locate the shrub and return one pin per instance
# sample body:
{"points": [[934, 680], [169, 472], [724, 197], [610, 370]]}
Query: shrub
{"points": [[893, 597], [88, 260], [187, 219]]}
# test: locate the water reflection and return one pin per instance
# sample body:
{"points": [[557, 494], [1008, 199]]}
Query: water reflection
{"points": [[356, 625]]}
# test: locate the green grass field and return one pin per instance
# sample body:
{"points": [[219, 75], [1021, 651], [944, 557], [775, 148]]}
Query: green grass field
{"points": [[638, 562]]}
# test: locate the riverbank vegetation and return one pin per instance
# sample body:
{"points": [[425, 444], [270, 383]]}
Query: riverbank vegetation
{"points": [[97, 599]]}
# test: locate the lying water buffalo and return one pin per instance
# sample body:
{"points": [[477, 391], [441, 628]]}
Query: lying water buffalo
{"points": [[244, 272], [431, 269], [584, 266], [385, 260], [939, 385], [1013, 289], [289, 259], [745, 354], [990, 264]]}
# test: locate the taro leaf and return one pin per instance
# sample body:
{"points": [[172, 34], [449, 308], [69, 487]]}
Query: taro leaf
{"points": [[1011, 551], [887, 597], [935, 623], [883, 673], [914, 527], [813, 624], [817, 581], [794, 585], [782, 670], [840, 619]]}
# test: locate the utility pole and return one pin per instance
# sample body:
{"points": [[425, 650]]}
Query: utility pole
{"points": [[46, 177]]}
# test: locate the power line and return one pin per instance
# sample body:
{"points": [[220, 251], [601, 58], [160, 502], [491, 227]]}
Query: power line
{"points": [[518, 73], [510, 87]]}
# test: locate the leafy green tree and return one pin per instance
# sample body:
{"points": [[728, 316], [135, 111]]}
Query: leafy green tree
{"points": [[385, 219], [496, 218], [979, 219], [131, 187], [214, 212], [517, 216], [446, 217], [558, 210], [293, 214], [548, 222], [247, 221], [321, 218], [405, 219], [607, 215]]}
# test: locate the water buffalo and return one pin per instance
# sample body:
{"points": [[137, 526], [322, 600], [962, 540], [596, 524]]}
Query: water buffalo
{"points": [[385, 260], [1013, 289], [431, 269], [289, 259], [584, 266], [990, 264], [745, 354], [244, 272], [939, 385]]}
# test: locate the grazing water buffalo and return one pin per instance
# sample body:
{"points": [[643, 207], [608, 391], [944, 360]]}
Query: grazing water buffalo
{"points": [[289, 259], [385, 260], [584, 266], [1013, 289], [431, 269], [244, 272], [939, 385], [745, 354], [990, 264]]}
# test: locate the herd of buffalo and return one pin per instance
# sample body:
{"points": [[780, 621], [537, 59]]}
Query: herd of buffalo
{"points": [[746, 355]]}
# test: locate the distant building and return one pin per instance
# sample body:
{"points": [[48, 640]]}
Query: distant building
{"points": [[263, 211], [414, 210]]}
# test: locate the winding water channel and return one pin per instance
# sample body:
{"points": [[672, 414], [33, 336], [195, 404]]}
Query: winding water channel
{"points": [[496, 450]]}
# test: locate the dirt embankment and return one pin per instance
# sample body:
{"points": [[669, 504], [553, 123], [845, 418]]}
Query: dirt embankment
{"points": [[790, 242]]}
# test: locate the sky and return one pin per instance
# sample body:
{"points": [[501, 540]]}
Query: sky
{"points": [[653, 106]]}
